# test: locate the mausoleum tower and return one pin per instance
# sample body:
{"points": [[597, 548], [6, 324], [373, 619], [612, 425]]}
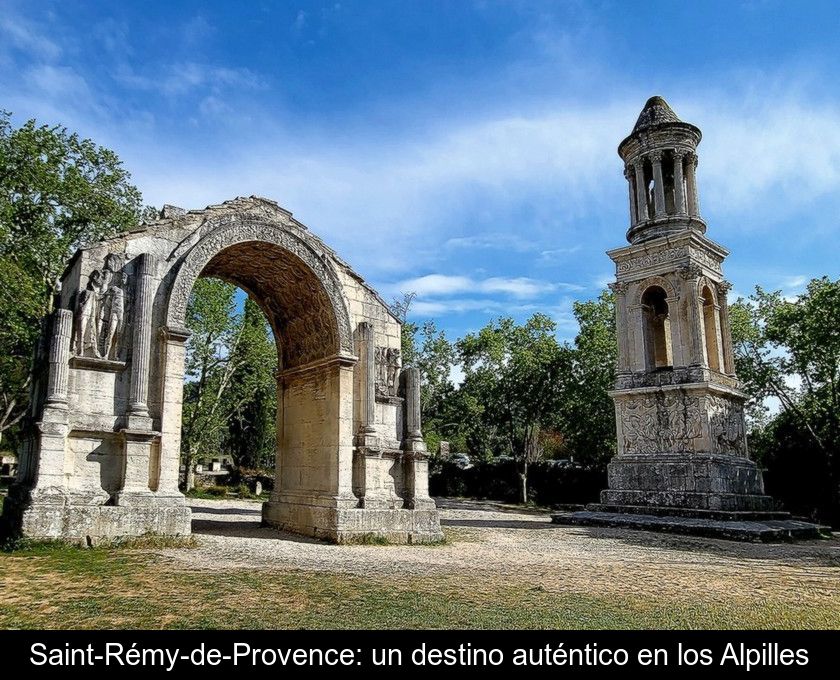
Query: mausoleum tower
{"points": [[679, 408]]}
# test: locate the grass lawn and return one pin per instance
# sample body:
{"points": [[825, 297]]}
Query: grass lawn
{"points": [[58, 586]]}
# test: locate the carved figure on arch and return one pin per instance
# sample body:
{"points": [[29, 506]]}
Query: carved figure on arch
{"points": [[114, 314], [87, 328]]}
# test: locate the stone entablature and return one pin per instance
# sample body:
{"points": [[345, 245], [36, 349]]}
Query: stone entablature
{"points": [[666, 255], [104, 450]]}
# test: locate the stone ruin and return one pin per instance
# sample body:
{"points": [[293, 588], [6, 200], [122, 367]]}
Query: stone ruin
{"points": [[101, 460], [102, 457]]}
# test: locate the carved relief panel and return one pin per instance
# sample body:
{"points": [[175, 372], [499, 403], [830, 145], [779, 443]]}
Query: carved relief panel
{"points": [[101, 313], [677, 421], [387, 372]]}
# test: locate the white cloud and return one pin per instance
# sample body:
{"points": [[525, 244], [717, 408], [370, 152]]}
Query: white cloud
{"points": [[182, 77], [451, 306], [497, 241], [27, 37], [772, 154], [441, 285]]}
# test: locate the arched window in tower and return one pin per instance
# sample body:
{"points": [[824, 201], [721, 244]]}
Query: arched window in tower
{"points": [[657, 326], [711, 328]]}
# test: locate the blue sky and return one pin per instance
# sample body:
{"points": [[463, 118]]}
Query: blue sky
{"points": [[462, 150]]}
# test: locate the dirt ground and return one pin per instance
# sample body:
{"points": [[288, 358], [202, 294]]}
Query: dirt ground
{"points": [[496, 544]]}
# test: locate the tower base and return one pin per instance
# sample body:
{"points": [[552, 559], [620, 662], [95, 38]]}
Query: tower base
{"points": [[701, 494], [703, 481]]}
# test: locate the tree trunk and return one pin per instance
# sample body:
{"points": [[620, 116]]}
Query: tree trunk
{"points": [[523, 484], [189, 472]]}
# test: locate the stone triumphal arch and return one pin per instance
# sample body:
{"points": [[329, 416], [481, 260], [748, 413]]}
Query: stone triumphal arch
{"points": [[102, 458]]}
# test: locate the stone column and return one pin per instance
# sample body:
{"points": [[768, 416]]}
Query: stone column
{"points": [[416, 465], [414, 433], [173, 346], [658, 184], [638, 360], [679, 188], [142, 340], [59, 358], [53, 426], [691, 185], [641, 191], [622, 329], [728, 364], [628, 174], [368, 342], [696, 339]]}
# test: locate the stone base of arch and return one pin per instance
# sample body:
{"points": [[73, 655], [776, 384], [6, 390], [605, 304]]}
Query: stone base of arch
{"points": [[352, 524], [66, 517]]}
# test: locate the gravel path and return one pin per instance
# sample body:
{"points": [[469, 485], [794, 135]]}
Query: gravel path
{"points": [[491, 543]]}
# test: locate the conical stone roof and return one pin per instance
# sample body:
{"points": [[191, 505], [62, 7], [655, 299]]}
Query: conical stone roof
{"points": [[655, 112]]}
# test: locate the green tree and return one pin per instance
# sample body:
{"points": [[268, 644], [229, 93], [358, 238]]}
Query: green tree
{"points": [[586, 414], [428, 349], [210, 364], [789, 349], [251, 398], [513, 373], [57, 193]]}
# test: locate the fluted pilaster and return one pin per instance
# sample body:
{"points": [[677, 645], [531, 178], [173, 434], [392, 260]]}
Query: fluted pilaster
{"points": [[141, 353], [59, 358], [368, 351], [412, 404]]}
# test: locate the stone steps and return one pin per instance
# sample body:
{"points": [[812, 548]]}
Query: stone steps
{"points": [[759, 531], [696, 513]]}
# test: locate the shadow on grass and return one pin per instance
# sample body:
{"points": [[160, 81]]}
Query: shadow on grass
{"points": [[212, 527], [814, 552], [487, 506], [204, 510], [496, 524]]}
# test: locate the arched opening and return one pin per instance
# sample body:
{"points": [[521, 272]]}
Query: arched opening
{"points": [[711, 329], [228, 428], [283, 331], [657, 328]]}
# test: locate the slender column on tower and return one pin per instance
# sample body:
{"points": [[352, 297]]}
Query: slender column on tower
{"points": [[59, 357], [691, 185], [141, 351], [658, 184], [679, 183], [641, 194], [628, 174]]}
